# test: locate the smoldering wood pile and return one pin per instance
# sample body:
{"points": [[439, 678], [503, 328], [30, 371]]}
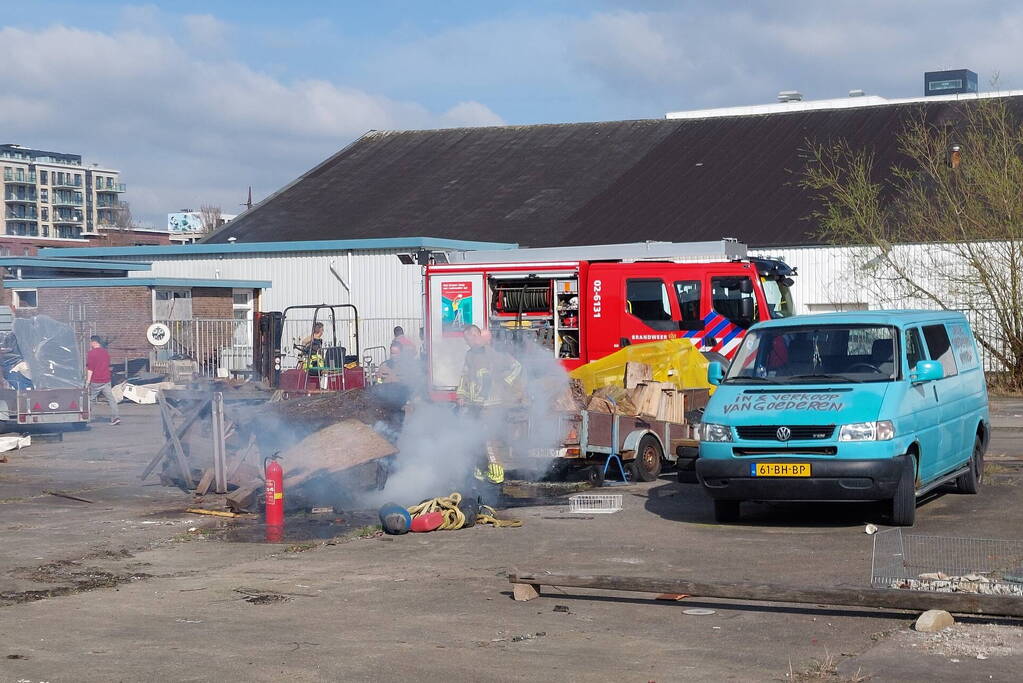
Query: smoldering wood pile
{"points": [[329, 444]]}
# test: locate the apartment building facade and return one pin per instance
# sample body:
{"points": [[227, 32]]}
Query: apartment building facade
{"points": [[51, 199]]}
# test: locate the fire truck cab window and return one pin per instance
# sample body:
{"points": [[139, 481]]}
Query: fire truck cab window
{"points": [[688, 292], [648, 301], [735, 299]]}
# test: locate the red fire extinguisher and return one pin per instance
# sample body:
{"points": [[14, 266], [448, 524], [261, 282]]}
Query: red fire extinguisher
{"points": [[274, 492]]}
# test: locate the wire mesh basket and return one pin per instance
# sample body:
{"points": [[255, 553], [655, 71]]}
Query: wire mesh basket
{"points": [[946, 564], [595, 503]]}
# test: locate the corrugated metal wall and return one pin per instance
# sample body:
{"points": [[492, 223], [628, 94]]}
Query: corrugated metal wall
{"points": [[826, 276], [831, 278]]}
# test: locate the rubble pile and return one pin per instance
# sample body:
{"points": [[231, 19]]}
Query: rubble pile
{"points": [[940, 582]]}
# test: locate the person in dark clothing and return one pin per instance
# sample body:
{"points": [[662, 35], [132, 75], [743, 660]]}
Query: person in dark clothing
{"points": [[98, 376]]}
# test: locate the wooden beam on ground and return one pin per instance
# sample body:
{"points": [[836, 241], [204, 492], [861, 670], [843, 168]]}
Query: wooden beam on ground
{"points": [[167, 447], [882, 598], [205, 482]]}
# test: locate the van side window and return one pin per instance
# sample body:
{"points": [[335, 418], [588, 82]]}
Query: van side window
{"points": [[648, 301], [734, 298], [688, 292], [963, 346], [940, 348], [914, 349]]}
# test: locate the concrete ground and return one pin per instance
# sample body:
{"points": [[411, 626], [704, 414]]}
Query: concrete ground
{"points": [[129, 587]]}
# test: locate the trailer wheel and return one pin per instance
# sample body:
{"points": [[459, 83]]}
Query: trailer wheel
{"points": [[594, 475], [647, 465], [79, 426]]}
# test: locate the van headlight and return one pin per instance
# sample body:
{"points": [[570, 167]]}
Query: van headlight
{"points": [[868, 431], [713, 432]]}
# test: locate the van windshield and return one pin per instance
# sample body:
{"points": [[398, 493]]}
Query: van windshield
{"points": [[816, 353]]}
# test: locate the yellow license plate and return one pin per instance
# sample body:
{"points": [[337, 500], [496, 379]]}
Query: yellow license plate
{"points": [[780, 469]]}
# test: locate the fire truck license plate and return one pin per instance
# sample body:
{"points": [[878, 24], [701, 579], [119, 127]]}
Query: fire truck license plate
{"points": [[779, 469]]}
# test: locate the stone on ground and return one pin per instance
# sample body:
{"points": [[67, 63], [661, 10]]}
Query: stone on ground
{"points": [[933, 620]]}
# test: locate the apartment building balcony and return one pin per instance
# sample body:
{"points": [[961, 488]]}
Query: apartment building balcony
{"points": [[66, 201], [66, 182], [19, 197], [23, 228], [67, 232], [19, 176], [14, 214], [112, 187], [73, 219]]}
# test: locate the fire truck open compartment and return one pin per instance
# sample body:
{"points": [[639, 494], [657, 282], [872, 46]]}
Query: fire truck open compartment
{"points": [[541, 308]]}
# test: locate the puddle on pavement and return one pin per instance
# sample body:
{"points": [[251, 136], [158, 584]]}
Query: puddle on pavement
{"points": [[298, 528]]}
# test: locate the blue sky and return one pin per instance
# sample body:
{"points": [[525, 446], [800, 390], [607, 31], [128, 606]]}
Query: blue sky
{"points": [[194, 101]]}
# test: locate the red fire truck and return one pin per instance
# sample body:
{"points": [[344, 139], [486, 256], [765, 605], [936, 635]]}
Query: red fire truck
{"points": [[586, 302]]}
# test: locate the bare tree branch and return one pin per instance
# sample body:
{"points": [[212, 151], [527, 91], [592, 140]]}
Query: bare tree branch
{"points": [[943, 228]]}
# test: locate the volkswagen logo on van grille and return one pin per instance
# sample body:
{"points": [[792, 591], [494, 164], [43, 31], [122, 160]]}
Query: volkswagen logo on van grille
{"points": [[783, 433]]}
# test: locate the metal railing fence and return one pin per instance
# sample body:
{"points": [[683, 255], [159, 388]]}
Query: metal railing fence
{"points": [[219, 345]]}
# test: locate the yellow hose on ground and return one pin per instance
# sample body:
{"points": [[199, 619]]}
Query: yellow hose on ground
{"points": [[454, 518]]}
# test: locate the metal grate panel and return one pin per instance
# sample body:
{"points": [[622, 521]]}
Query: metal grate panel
{"points": [[936, 563]]}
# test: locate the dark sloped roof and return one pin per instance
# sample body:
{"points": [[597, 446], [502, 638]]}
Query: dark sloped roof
{"points": [[586, 183]]}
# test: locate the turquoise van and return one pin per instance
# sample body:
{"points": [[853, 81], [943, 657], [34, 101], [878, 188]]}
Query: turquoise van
{"points": [[871, 405]]}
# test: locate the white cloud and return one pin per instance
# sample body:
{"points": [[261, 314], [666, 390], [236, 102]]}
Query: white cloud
{"points": [[186, 128], [479, 114], [205, 31], [163, 99], [716, 55]]}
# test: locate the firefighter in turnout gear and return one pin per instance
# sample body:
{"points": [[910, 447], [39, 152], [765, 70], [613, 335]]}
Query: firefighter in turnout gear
{"points": [[311, 348], [489, 387]]}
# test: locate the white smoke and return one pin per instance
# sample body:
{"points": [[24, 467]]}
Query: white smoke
{"points": [[440, 448]]}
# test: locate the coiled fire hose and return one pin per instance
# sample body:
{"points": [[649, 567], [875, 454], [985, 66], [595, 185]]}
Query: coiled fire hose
{"points": [[454, 518]]}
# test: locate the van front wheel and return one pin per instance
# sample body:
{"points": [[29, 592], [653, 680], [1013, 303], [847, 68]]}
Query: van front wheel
{"points": [[969, 481], [903, 505]]}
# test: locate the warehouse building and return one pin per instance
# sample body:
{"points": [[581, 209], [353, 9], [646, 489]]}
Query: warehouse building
{"points": [[335, 233]]}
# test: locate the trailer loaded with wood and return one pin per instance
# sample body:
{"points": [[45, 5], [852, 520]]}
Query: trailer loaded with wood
{"points": [[633, 433]]}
